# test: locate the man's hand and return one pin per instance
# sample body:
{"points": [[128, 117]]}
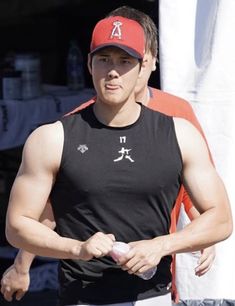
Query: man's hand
{"points": [[14, 282], [206, 260], [98, 245], [144, 255]]}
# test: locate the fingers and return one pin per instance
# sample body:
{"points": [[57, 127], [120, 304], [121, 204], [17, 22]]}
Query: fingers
{"points": [[19, 294], [6, 290], [98, 245], [14, 283], [205, 262], [136, 263], [7, 293], [208, 253], [102, 244], [111, 236], [138, 268], [203, 267], [100, 250], [131, 266]]}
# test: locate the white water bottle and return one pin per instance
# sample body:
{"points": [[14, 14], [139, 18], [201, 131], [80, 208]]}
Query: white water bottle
{"points": [[120, 249], [29, 66], [75, 71]]}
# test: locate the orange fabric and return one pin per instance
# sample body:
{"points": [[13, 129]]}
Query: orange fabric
{"points": [[175, 107], [83, 105]]}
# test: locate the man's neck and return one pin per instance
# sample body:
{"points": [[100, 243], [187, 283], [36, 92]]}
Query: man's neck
{"points": [[117, 115], [143, 96]]}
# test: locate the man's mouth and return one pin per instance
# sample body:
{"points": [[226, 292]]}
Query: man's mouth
{"points": [[112, 86]]}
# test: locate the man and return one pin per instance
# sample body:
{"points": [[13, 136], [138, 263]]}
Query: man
{"points": [[112, 172], [16, 278]]}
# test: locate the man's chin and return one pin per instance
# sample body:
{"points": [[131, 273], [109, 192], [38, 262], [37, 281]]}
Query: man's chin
{"points": [[113, 100]]}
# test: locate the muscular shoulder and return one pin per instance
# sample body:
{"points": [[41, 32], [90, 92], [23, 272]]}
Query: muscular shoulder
{"points": [[45, 145], [189, 139], [49, 134], [185, 129]]}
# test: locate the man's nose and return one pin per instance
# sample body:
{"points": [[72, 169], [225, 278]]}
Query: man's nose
{"points": [[113, 73]]}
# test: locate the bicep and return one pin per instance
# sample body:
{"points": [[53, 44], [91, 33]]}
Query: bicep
{"points": [[35, 177], [193, 119], [200, 178], [47, 216], [29, 194], [204, 186]]}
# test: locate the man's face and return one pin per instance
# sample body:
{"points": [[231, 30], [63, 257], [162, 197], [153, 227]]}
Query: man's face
{"points": [[114, 73], [149, 65]]}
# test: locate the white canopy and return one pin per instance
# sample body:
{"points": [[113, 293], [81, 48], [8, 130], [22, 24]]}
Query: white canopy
{"points": [[197, 58]]}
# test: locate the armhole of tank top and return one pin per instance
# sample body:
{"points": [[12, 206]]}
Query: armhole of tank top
{"points": [[63, 149]]}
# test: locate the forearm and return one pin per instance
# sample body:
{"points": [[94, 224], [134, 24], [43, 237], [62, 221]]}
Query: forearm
{"points": [[202, 232], [42, 240], [23, 261]]}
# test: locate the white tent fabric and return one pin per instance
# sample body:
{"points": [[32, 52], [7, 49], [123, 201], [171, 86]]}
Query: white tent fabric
{"points": [[197, 58]]}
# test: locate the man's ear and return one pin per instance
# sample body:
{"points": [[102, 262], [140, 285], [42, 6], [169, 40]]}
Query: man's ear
{"points": [[154, 64], [142, 67], [147, 59], [144, 62], [89, 63]]}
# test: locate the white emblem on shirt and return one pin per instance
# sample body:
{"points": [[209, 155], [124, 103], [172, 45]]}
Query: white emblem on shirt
{"points": [[82, 148], [124, 153]]}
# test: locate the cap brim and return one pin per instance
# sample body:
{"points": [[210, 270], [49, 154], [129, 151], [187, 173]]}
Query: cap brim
{"points": [[128, 50]]}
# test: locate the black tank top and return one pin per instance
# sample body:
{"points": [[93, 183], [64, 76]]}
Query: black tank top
{"points": [[122, 181]]}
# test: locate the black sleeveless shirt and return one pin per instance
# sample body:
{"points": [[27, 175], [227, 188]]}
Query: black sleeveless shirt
{"points": [[115, 180]]}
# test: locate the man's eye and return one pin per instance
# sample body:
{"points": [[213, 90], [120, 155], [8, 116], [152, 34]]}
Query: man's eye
{"points": [[126, 61], [103, 59]]}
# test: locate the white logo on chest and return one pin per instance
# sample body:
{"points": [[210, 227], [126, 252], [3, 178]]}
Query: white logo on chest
{"points": [[82, 148]]}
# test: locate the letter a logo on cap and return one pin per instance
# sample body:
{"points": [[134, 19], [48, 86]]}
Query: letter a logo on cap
{"points": [[116, 31]]}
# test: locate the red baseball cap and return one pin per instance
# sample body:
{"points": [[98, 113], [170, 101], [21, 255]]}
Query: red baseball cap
{"points": [[119, 32]]}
